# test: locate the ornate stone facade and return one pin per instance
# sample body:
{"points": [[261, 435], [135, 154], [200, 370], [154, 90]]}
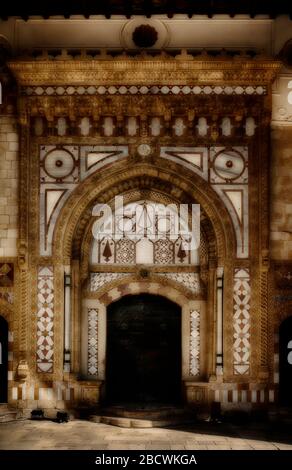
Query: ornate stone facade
{"points": [[93, 129]]}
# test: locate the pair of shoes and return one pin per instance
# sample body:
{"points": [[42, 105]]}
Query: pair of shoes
{"points": [[37, 414], [62, 417]]}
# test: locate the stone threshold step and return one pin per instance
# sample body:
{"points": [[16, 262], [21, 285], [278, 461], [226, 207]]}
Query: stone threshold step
{"points": [[7, 416], [149, 413], [138, 423]]}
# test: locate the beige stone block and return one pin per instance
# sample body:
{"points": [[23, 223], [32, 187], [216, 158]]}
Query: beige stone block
{"points": [[14, 146], [32, 404], [12, 137], [13, 183], [3, 174], [288, 222], [10, 252], [11, 210], [3, 233], [1, 251], [14, 166], [12, 233], [282, 171], [61, 404], [7, 120], [12, 201], [46, 404], [7, 128], [5, 165], [11, 155], [13, 221], [4, 183], [275, 252], [8, 242], [4, 219], [4, 147], [275, 236], [11, 174]]}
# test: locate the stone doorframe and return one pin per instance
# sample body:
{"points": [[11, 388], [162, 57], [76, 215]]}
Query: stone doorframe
{"points": [[6, 312], [195, 344]]}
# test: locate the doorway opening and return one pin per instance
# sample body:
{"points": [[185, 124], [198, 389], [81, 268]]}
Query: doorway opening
{"points": [[285, 362], [143, 359], [3, 360]]}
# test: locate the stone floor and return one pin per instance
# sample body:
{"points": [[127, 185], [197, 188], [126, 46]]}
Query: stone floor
{"points": [[79, 434]]}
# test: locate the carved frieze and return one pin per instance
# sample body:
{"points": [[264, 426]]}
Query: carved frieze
{"points": [[146, 70]]}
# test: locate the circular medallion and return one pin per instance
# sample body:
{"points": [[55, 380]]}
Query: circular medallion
{"points": [[59, 164], [144, 150], [147, 33], [229, 164]]}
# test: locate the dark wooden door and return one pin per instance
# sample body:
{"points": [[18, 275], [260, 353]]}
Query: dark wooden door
{"points": [[143, 361], [285, 362], [3, 360]]}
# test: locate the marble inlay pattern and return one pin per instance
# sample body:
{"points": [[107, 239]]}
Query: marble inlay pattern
{"points": [[189, 280], [194, 343], [45, 320], [241, 322], [143, 90], [97, 280], [92, 366]]}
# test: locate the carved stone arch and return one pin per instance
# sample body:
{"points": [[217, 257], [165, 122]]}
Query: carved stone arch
{"points": [[182, 185], [128, 285], [144, 287]]}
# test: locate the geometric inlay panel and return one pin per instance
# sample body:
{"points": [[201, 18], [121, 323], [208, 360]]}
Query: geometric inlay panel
{"points": [[241, 322], [45, 319], [170, 89], [93, 157], [194, 343], [92, 365], [228, 165], [193, 158], [62, 168], [228, 176], [226, 171], [97, 280], [59, 165], [189, 280]]}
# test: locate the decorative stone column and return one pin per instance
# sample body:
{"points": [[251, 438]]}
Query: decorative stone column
{"points": [[67, 319], [219, 329]]}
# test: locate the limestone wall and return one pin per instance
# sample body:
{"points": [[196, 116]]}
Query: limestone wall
{"points": [[9, 151], [281, 193]]}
